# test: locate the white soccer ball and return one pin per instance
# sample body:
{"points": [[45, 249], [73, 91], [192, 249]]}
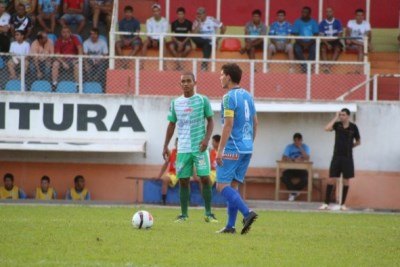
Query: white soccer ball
{"points": [[142, 219]]}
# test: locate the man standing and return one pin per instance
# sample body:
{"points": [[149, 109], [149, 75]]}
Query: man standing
{"points": [[236, 146], [347, 137], [255, 27], [189, 113]]}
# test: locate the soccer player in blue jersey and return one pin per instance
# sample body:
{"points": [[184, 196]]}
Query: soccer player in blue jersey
{"points": [[239, 120]]}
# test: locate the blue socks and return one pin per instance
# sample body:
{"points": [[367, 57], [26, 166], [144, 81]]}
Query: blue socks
{"points": [[235, 203]]}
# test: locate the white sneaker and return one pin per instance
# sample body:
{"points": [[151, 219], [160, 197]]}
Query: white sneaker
{"points": [[324, 207], [343, 208], [293, 196]]}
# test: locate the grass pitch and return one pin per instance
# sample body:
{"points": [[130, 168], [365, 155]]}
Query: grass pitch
{"points": [[104, 236]]}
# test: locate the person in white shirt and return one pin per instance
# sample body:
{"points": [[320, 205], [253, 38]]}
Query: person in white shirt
{"points": [[95, 46], [156, 25], [204, 24], [4, 29], [18, 48], [357, 29]]}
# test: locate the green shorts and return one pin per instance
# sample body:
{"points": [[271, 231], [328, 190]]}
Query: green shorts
{"points": [[186, 161]]}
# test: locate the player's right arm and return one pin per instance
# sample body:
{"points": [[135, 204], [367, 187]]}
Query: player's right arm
{"points": [[329, 126]]}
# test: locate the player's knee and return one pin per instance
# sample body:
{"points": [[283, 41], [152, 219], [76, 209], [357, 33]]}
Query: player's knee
{"points": [[184, 182], [205, 180]]}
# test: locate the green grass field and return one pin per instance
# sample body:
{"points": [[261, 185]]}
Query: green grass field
{"points": [[103, 236]]}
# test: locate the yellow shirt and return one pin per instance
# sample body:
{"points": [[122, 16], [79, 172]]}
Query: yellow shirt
{"points": [[12, 194], [78, 196], [44, 196]]}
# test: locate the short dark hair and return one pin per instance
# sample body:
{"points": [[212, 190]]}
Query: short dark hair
{"points": [[297, 136], [45, 178], [234, 71], [281, 11], [346, 110], [190, 74], [21, 5], [216, 138], [77, 178], [128, 8], [95, 30], [180, 9], [307, 8], [8, 176], [256, 12], [359, 10]]}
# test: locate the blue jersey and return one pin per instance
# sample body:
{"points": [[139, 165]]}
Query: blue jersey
{"points": [[305, 28], [293, 152], [330, 28], [239, 104], [281, 29]]}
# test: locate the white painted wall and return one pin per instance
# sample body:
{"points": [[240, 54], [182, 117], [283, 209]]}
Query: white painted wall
{"points": [[379, 125]]}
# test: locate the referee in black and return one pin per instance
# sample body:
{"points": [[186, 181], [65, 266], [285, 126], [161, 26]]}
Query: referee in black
{"points": [[347, 137]]}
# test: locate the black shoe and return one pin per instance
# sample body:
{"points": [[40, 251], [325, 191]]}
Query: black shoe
{"points": [[248, 221], [226, 230]]}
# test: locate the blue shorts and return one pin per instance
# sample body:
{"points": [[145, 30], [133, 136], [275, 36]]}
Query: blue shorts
{"points": [[71, 18], [234, 167]]}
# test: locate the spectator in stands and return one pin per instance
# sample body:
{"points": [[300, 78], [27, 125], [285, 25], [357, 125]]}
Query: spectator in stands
{"points": [[42, 47], [30, 7], [129, 24], [78, 192], [281, 27], [213, 157], [18, 48], [73, 12], [295, 152], [255, 27], [45, 192], [330, 27], [101, 7], [156, 25], [48, 11], [206, 25], [8, 5], [21, 22], [180, 46], [95, 68], [170, 179], [9, 190], [357, 29], [67, 44], [4, 29], [305, 26]]}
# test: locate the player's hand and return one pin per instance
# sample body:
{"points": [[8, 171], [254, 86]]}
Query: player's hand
{"points": [[203, 145], [165, 153], [218, 159]]}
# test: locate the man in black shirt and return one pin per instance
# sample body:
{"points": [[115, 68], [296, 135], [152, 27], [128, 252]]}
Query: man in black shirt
{"points": [[21, 22], [180, 46], [347, 137]]}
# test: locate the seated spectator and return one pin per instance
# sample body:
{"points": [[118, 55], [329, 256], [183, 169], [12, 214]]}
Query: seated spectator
{"points": [[73, 12], [330, 27], [94, 46], [254, 28], [156, 25], [21, 22], [357, 29], [213, 157], [48, 11], [78, 192], [180, 46], [67, 44], [101, 7], [9, 190], [30, 7], [45, 192], [206, 25], [170, 179], [305, 26], [18, 48], [8, 5], [42, 47], [295, 152], [4, 29], [129, 24], [281, 27]]}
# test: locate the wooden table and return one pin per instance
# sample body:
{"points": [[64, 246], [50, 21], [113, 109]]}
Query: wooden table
{"points": [[305, 165]]}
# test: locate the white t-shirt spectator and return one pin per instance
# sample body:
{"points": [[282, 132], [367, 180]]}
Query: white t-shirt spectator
{"points": [[154, 26], [5, 19], [98, 48], [209, 26], [358, 31], [19, 49]]}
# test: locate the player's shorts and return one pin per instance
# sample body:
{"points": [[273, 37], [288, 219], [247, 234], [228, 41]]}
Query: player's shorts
{"points": [[342, 165], [186, 161], [187, 43], [334, 43], [280, 47], [173, 180], [234, 167], [213, 176], [71, 18]]}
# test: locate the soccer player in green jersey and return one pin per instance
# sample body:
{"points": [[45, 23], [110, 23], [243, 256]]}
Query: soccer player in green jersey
{"points": [[189, 113]]}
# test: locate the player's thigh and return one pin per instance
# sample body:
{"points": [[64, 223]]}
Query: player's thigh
{"points": [[335, 169], [242, 166], [202, 163], [227, 172], [184, 165], [348, 168]]}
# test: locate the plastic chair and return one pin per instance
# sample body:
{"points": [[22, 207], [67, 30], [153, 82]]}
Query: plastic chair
{"points": [[79, 37], [92, 88], [66, 87], [52, 37], [13, 85], [231, 44], [41, 86]]}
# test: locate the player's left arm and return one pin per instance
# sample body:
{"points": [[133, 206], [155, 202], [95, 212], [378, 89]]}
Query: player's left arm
{"points": [[357, 138]]}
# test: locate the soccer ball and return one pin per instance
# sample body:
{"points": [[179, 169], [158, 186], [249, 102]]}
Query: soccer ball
{"points": [[142, 219]]}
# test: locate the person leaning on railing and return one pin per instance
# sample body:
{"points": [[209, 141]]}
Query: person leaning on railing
{"points": [[40, 50]]}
